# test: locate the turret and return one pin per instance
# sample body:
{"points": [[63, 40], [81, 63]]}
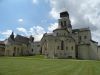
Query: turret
{"points": [[31, 39], [12, 36]]}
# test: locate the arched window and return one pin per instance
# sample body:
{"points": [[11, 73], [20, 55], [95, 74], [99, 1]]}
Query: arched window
{"points": [[66, 48], [80, 38], [72, 47], [85, 37], [22, 51], [45, 48], [64, 34], [58, 47], [61, 24], [57, 34], [32, 50], [62, 45], [41, 50], [64, 23], [14, 48], [14, 51]]}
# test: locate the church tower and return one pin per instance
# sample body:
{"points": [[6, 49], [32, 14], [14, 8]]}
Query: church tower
{"points": [[64, 21], [12, 36]]}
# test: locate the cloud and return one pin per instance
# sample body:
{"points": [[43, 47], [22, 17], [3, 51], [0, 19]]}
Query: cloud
{"points": [[52, 27], [35, 1], [23, 30], [82, 13], [6, 33], [36, 31], [54, 13], [20, 20], [47, 1]]}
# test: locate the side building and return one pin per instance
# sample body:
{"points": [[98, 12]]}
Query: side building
{"points": [[2, 48], [19, 46]]}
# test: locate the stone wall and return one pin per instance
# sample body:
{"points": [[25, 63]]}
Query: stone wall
{"points": [[93, 51], [83, 51]]}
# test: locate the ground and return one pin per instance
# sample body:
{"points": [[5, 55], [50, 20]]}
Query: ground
{"points": [[41, 66]]}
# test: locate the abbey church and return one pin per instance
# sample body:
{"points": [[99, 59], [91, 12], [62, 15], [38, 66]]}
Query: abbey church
{"points": [[64, 42]]}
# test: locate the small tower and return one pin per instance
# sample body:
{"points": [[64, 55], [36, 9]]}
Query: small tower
{"points": [[31, 39], [64, 21], [12, 36]]}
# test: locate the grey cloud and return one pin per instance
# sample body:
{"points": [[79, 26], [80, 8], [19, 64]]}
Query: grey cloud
{"points": [[85, 13]]}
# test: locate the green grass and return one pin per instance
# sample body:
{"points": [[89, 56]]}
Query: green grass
{"points": [[40, 66]]}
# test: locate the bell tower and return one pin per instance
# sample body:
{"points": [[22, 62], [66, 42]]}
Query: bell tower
{"points": [[64, 21]]}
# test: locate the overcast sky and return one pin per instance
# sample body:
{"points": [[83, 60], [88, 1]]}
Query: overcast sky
{"points": [[35, 17]]}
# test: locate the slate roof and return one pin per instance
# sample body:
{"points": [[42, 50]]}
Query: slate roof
{"points": [[81, 29], [21, 39], [2, 43]]}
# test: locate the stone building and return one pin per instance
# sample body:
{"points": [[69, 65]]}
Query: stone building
{"points": [[37, 47], [2, 48], [66, 42], [19, 45], [99, 51]]}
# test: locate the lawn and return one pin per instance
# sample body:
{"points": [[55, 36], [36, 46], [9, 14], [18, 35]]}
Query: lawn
{"points": [[40, 66]]}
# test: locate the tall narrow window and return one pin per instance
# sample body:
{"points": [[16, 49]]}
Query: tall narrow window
{"points": [[57, 34], [41, 50], [45, 48], [58, 47], [14, 51], [62, 45], [72, 47], [14, 48], [85, 37], [66, 48], [80, 38], [64, 23], [61, 24], [64, 34], [32, 50]]}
